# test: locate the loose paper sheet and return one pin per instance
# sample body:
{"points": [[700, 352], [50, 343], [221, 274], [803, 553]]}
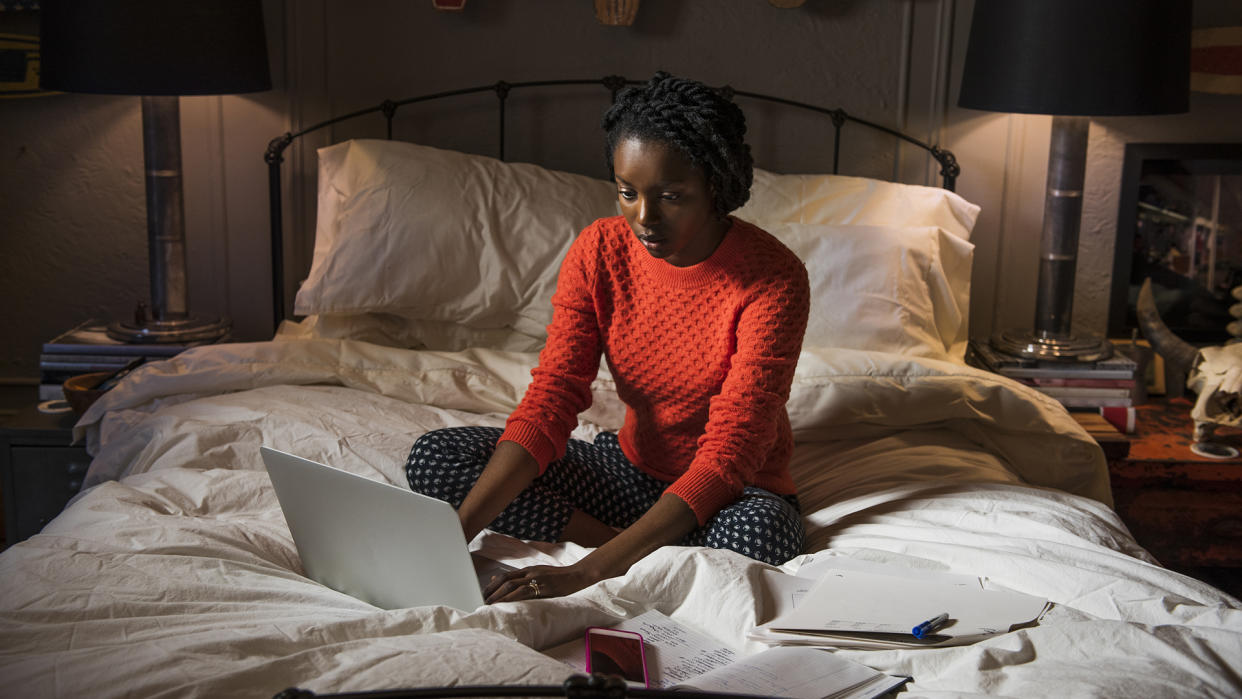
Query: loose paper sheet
{"points": [[799, 673], [675, 653], [678, 656]]}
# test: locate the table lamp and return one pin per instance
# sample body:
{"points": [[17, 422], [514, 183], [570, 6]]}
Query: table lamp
{"points": [[1072, 59], [159, 49]]}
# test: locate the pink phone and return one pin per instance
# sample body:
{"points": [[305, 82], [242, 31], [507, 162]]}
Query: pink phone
{"points": [[614, 652]]}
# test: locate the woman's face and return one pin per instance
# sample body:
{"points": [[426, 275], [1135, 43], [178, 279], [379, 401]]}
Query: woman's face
{"points": [[667, 202]]}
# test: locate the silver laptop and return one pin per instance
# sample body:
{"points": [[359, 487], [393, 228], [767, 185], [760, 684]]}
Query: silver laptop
{"points": [[385, 545]]}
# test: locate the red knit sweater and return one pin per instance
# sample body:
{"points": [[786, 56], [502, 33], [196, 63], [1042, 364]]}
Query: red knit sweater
{"points": [[703, 357]]}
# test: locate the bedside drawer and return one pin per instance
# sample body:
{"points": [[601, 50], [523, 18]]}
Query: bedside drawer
{"points": [[40, 481]]}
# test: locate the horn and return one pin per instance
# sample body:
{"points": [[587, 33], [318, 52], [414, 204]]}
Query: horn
{"points": [[1175, 350]]}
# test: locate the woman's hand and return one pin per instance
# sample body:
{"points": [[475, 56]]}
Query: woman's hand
{"points": [[537, 582], [666, 522]]}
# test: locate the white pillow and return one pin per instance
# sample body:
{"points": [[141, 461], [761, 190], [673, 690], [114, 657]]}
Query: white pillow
{"points": [[896, 289], [395, 331], [444, 237], [422, 247], [839, 199], [858, 200]]}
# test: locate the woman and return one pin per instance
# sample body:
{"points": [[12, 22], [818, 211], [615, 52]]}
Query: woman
{"points": [[700, 317]]}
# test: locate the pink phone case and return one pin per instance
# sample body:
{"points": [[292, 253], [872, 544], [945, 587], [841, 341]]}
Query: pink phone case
{"points": [[625, 655]]}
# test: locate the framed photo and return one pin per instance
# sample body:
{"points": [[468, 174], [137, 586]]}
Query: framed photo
{"points": [[1179, 223]]}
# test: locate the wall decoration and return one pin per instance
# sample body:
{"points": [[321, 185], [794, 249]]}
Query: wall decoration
{"points": [[616, 13], [19, 66], [1180, 223], [1216, 60]]}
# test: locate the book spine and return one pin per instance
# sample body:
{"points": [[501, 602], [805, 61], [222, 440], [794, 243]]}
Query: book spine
{"points": [[1080, 392], [119, 360], [1042, 373], [130, 351], [1080, 402], [67, 369], [1040, 382]]}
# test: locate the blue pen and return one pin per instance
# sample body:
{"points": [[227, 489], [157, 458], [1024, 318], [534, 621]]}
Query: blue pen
{"points": [[930, 626]]}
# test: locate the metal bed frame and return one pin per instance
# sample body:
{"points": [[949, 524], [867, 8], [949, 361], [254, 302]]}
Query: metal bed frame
{"points": [[949, 169]]}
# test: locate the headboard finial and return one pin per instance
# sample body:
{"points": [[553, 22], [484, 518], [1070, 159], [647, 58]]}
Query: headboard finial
{"points": [[275, 152], [949, 169]]}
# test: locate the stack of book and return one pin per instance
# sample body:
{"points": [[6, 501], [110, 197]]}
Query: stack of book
{"points": [[1111, 382], [86, 349]]}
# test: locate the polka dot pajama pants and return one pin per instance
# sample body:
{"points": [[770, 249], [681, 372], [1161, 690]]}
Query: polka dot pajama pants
{"points": [[599, 480]]}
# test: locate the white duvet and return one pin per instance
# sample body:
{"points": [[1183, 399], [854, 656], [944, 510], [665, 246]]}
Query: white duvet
{"points": [[174, 573]]}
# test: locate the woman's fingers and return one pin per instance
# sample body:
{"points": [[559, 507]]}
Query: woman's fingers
{"points": [[513, 591], [499, 580], [537, 582], [517, 585]]}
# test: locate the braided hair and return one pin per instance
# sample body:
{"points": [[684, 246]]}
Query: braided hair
{"points": [[696, 120]]}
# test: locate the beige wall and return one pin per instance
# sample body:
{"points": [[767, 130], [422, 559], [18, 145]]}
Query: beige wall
{"points": [[72, 226]]}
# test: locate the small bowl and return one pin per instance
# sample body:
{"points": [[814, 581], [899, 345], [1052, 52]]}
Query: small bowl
{"points": [[80, 390]]}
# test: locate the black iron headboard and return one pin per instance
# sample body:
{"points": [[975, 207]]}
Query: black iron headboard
{"points": [[949, 169]]}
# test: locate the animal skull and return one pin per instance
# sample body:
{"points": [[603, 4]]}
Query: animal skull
{"points": [[1215, 373]]}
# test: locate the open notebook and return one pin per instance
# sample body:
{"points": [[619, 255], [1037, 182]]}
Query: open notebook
{"points": [[845, 604]]}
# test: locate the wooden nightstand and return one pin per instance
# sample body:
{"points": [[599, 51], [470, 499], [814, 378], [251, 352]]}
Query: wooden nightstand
{"points": [[1184, 508], [39, 469]]}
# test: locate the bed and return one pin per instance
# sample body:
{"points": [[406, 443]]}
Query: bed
{"points": [[173, 572]]}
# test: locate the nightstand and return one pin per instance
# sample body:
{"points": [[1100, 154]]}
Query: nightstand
{"points": [[39, 469], [1184, 508]]}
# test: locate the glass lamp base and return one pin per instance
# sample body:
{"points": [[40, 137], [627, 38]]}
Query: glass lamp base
{"points": [[1031, 345], [178, 331]]}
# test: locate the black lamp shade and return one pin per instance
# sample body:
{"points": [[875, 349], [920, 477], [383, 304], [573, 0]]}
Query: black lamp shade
{"points": [[153, 47], [1078, 57]]}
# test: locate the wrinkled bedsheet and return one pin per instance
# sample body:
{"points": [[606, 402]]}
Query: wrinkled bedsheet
{"points": [[174, 574]]}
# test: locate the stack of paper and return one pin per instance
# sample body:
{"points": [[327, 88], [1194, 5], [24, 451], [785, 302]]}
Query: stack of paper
{"points": [[847, 604]]}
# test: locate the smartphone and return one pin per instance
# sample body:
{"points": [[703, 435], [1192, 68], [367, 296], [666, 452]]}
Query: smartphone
{"points": [[614, 652]]}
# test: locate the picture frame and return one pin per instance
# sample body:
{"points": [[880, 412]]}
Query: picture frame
{"points": [[1179, 222]]}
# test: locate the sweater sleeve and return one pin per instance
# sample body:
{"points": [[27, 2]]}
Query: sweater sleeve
{"points": [[745, 416], [560, 385]]}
